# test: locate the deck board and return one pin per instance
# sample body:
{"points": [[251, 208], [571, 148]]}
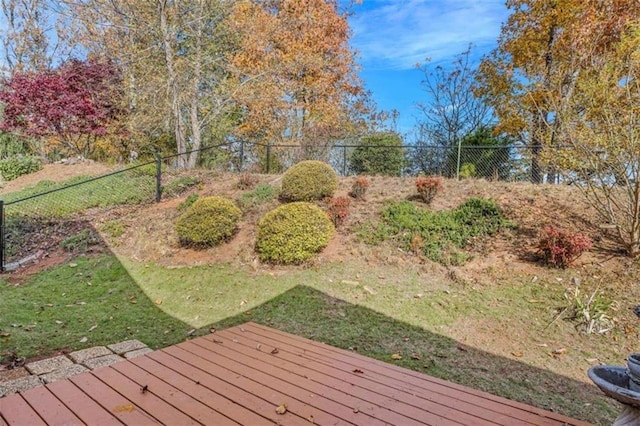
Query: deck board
{"points": [[239, 376]]}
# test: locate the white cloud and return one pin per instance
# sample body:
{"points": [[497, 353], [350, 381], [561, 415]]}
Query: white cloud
{"points": [[397, 34]]}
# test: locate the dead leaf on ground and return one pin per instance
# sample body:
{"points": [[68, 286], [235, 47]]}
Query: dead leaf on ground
{"points": [[311, 420], [396, 357], [517, 354], [357, 370], [558, 352], [281, 409], [416, 357], [5, 334], [158, 301], [128, 408], [275, 351]]}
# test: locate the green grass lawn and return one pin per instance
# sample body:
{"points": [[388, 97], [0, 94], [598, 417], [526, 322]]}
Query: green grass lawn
{"points": [[376, 311]]}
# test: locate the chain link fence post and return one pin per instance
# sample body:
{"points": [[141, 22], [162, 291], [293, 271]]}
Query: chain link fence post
{"points": [[158, 177], [268, 168], [241, 165], [2, 242]]}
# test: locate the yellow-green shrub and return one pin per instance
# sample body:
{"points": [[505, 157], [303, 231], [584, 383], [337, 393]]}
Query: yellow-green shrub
{"points": [[308, 180], [209, 221], [292, 233]]}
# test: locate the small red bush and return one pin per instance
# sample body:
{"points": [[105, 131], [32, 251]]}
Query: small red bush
{"points": [[559, 248], [338, 210], [428, 187], [359, 187]]}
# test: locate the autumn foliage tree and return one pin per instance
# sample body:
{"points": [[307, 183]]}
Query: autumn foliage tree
{"points": [[301, 86], [72, 105]]}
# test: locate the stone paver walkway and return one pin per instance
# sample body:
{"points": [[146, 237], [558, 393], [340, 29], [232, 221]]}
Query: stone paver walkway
{"points": [[61, 367]]}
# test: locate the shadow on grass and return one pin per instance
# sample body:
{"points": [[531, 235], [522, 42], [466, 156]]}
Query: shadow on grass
{"points": [[81, 297], [306, 312]]}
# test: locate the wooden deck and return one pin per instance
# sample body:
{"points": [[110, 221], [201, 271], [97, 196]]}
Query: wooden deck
{"points": [[243, 374]]}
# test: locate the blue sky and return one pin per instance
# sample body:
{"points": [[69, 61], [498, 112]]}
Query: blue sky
{"points": [[392, 36]]}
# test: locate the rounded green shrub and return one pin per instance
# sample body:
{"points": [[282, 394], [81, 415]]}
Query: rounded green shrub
{"points": [[209, 221], [292, 233], [308, 180]]}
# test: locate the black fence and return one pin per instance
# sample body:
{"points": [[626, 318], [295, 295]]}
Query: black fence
{"points": [[35, 210]]}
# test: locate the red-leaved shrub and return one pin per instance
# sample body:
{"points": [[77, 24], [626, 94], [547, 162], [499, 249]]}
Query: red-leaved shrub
{"points": [[559, 248], [338, 210], [428, 187], [359, 187]]}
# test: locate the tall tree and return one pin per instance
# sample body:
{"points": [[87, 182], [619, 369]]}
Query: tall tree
{"points": [[300, 74], [35, 34], [173, 58], [543, 46], [452, 111]]}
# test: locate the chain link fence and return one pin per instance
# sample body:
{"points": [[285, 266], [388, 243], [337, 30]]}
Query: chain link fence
{"points": [[30, 218]]}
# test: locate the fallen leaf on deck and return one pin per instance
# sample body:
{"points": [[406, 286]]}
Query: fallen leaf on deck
{"points": [[310, 418], [258, 346], [281, 409], [275, 351], [396, 357], [517, 354], [123, 408], [357, 370]]}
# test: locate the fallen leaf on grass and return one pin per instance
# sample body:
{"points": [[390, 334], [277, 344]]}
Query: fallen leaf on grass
{"points": [[83, 340], [416, 357], [517, 354], [281, 409], [558, 352], [396, 357], [158, 301], [5, 334]]}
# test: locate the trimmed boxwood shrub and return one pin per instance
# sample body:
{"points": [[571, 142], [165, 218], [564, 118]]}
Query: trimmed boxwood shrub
{"points": [[209, 221], [293, 233], [308, 180]]}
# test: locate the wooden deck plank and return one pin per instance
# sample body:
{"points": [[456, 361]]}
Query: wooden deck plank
{"points": [[272, 395], [185, 402], [326, 411], [15, 411], [395, 407], [389, 386], [89, 411], [412, 378], [338, 402], [159, 409], [112, 401], [50, 408], [212, 379]]}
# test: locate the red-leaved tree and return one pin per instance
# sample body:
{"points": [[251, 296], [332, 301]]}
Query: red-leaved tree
{"points": [[72, 105]]}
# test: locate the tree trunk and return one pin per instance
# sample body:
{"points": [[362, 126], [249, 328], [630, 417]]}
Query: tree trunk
{"points": [[173, 90], [196, 130]]}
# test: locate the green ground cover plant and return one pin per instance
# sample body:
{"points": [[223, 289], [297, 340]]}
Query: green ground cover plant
{"points": [[440, 236]]}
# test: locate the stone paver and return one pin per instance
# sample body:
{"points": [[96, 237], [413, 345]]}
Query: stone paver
{"points": [[127, 346], [48, 365], [19, 385], [138, 352], [16, 373], [63, 373], [102, 361], [85, 354]]}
